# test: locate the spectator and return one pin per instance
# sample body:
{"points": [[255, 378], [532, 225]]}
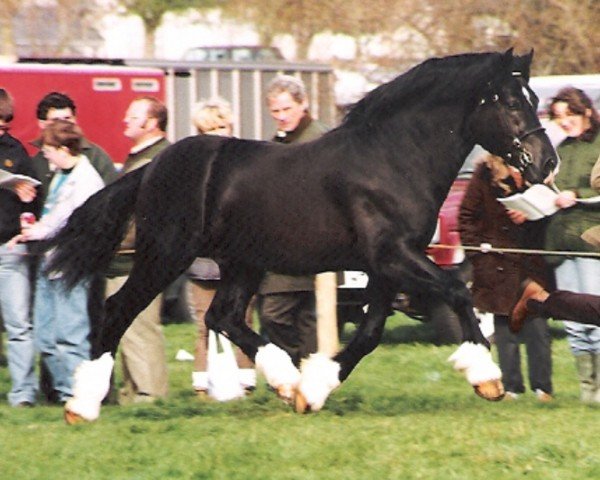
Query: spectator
{"points": [[142, 348], [56, 106], [287, 303], [497, 277], [59, 106], [61, 322], [574, 111], [212, 117], [15, 291]]}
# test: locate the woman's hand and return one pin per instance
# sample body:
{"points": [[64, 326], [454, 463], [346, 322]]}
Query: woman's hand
{"points": [[22, 237], [516, 216], [25, 191], [566, 199], [12, 243]]}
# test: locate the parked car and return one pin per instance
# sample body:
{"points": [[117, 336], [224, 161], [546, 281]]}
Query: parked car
{"points": [[233, 53]]}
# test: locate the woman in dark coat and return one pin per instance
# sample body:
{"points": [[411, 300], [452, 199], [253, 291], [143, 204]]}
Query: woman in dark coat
{"points": [[497, 277]]}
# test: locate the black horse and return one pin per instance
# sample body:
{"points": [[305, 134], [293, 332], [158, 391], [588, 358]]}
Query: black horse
{"points": [[365, 197]]}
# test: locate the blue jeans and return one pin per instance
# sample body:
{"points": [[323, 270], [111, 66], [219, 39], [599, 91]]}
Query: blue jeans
{"points": [[62, 330], [581, 275], [15, 291]]}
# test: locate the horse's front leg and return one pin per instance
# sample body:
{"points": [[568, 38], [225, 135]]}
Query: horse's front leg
{"points": [[322, 374], [226, 315]]}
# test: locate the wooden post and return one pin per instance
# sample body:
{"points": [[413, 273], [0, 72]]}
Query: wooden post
{"points": [[326, 301]]}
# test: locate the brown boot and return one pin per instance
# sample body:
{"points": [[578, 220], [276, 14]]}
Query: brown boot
{"points": [[529, 290]]}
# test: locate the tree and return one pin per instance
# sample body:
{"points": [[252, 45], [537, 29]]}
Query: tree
{"points": [[152, 11], [303, 19], [564, 33], [7, 13], [50, 28]]}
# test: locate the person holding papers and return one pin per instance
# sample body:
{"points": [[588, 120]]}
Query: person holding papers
{"points": [[497, 277], [574, 111], [17, 197]]}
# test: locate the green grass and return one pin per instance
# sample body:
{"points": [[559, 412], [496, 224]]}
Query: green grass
{"points": [[404, 413]]}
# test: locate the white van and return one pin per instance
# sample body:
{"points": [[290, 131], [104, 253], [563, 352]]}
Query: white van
{"points": [[546, 87]]}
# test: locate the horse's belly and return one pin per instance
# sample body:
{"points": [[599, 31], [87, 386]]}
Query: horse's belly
{"points": [[285, 243]]}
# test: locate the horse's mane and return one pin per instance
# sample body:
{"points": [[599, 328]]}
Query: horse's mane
{"points": [[437, 79]]}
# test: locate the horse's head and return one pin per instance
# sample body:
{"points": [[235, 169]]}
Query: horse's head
{"points": [[505, 123]]}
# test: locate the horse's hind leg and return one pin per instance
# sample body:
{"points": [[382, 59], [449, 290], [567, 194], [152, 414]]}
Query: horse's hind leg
{"points": [[226, 315], [321, 374], [151, 274]]}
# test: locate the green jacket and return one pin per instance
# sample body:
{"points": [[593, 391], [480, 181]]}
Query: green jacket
{"points": [[566, 226], [308, 129]]}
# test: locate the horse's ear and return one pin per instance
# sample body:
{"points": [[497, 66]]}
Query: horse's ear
{"points": [[522, 64], [507, 60]]}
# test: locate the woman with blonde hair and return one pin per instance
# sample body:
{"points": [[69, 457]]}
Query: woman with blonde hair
{"points": [[212, 117]]}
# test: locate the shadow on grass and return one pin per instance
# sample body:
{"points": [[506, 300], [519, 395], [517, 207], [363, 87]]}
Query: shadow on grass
{"points": [[408, 331], [264, 404]]}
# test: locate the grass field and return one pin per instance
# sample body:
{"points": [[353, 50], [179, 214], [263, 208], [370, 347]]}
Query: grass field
{"points": [[403, 414]]}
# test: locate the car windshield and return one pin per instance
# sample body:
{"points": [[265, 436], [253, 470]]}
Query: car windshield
{"points": [[468, 167], [235, 54]]}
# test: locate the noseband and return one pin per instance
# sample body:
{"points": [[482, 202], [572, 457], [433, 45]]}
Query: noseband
{"points": [[520, 158]]}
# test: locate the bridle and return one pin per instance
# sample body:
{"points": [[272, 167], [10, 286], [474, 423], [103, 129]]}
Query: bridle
{"points": [[520, 158]]}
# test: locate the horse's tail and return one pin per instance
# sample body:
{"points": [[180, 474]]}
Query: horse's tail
{"points": [[87, 243]]}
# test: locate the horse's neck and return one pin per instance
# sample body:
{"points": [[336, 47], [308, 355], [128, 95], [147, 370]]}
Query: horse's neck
{"points": [[445, 146]]}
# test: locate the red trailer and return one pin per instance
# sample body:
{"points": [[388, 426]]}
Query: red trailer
{"points": [[100, 92]]}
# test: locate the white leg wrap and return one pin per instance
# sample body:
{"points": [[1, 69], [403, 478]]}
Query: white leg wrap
{"points": [[247, 377], [320, 376], [200, 380], [278, 368], [90, 386], [476, 362]]}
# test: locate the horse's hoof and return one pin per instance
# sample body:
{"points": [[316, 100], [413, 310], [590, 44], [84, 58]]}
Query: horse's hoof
{"points": [[73, 418], [492, 390], [286, 393], [300, 403]]}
